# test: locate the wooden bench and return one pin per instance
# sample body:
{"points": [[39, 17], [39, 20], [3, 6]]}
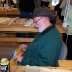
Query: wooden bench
{"points": [[13, 11], [61, 63], [40, 69], [22, 29], [65, 63]]}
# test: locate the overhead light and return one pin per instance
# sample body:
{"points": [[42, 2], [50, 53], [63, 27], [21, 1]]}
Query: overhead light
{"points": [[55, 2]]}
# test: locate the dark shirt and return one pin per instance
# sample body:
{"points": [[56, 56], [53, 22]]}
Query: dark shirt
{"points": [[26, 5]]}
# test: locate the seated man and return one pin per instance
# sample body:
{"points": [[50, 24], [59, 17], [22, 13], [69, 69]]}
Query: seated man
{"points": [[45, 49], [26, 8]]}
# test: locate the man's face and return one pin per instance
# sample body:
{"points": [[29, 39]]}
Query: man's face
{"points": [[39, 23]]}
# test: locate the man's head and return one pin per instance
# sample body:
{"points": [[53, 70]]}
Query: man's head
{"points": [[43, 18]]}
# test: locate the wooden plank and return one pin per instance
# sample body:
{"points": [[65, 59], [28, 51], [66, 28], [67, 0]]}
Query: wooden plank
{"points": [[59, 27], [17, 28], [16, 39], [2, 12], [13, 11], [65, 63], [22, 28], [39, 69], [15, 68]]}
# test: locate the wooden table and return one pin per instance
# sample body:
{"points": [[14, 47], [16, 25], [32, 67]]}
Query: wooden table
{"points": [[35, 69], [16, 28], [22, 28], [63, 65]]}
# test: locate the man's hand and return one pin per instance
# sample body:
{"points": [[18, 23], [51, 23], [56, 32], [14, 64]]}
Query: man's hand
{"points": [[23, 47], [17, 58]]}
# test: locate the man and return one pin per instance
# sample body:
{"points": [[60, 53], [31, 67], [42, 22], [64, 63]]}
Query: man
{"points": [[45, 49], [67, 24], [62, 7], [26, 8]]}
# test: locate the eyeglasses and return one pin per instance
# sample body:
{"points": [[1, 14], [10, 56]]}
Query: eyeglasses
{"points": [[38, 20]]}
